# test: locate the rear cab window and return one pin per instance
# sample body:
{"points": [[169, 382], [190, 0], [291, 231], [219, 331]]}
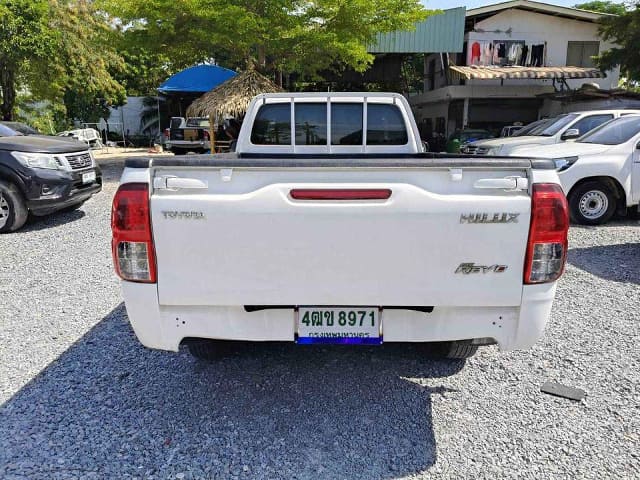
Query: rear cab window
{"points": [[272, 125], [385, 125], [330, 125]]}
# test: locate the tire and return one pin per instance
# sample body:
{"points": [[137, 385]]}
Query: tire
{"points": [[592, 203], [208, 349], [458, 349], [634, 212], [13, 208]]}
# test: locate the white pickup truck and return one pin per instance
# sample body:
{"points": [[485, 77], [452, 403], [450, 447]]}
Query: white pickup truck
{"points": [[599, 172], [331, 225], [560, 129]]}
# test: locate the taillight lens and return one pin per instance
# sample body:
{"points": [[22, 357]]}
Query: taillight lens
{"points": [[167, 132], [132, 242], [547, 246], [206, 135]]}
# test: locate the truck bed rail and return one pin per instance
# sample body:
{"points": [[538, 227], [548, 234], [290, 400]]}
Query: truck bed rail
{"points": [[341, 160]]}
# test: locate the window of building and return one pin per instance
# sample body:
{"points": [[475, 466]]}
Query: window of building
{"points": [[346, 124], [311, 123], [385, 125], [579, 54], [272, 125]]}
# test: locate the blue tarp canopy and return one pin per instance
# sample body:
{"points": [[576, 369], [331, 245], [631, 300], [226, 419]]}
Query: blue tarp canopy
{"points": [[198, 79]]}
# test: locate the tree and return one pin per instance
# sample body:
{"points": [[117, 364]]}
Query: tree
{"points": [[25, 40], [603, 6], [61, 51], [624, 31], [275, 35], [87, 60]]}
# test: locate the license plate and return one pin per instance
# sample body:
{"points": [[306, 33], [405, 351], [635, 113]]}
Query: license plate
{"points": [[89, 177], [356, 325]]}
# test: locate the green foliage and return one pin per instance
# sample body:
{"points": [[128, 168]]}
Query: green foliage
{"points": [[143, 70], [25, 40], [603, 6], [624, 31], [86, 60], [46, 117], [276, 35], [61, 51]]}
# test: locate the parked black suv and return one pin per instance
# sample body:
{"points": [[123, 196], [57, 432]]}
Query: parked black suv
{"points": [[41, 174]]}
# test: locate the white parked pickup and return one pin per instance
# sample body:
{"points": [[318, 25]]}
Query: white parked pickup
{"points": [[560, 129], [331, 225], [599, 172]]}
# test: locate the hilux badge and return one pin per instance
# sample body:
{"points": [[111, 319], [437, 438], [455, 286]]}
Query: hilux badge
{"points": [[503, 217]]}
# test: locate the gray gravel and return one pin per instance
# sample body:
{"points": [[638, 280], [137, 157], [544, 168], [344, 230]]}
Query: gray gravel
{"points": [[82, 399]]}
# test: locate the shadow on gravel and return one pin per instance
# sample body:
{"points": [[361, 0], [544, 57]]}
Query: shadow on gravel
{"points": [[619, 263], [55, 219], [108, 408]]}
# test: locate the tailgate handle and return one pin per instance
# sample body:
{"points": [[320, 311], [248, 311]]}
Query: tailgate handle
{"points": [[507, 183], [170, 182]]}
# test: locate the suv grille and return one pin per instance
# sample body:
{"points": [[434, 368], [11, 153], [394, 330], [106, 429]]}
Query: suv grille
{"points": [[82, 160], [475, 150]]}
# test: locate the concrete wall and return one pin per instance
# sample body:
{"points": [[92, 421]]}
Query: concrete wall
{"points": [[440, 77], [535, 28]]}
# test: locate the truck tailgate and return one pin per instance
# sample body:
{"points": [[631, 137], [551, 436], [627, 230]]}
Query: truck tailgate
{"points": [[237, 237]]}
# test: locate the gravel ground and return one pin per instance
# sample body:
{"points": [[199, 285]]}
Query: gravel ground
{"points": [[82, 399]]}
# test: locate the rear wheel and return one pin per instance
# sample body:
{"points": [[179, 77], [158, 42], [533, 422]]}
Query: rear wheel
{"points": [[457, 349], [13, 208], [592, 203]]}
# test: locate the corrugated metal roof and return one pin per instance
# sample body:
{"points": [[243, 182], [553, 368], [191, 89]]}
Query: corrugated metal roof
{"points": [[442, 32]]}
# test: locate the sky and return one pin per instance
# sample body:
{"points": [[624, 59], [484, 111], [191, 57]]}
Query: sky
{"points": [[433, 4]]}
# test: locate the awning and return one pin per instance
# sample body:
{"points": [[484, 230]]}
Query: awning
{"points": [[198, 79], [490, 73]]}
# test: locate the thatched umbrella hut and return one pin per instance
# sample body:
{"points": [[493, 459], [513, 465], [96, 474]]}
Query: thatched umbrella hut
{"points": [[231, 98]]}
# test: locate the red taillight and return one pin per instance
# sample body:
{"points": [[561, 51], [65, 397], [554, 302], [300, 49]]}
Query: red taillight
{"points": [[340, 194], [547, 246], [206, 135], [132, 242], [167, 132]]}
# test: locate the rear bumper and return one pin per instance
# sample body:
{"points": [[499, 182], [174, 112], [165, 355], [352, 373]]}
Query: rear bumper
{"points": [[164, 327], [187, 145]]}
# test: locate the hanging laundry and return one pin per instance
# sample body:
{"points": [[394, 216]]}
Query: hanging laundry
{"points": [[523, 57], [475, 53], [537, 55], [487, 53], [502, 50]]}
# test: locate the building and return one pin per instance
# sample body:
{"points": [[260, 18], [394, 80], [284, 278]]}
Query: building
{"points": [[513, 55]]}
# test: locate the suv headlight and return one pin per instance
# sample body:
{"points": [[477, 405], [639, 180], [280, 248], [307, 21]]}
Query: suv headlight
{"points": [[564, 163], [39, 160]]}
